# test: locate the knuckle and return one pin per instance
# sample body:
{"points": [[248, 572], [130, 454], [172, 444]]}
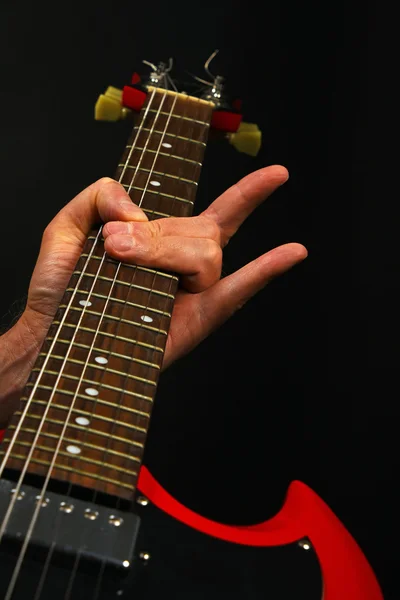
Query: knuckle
{"points": [[105, 181], [213, 253], [154, 229], [211, 228], [215, 232]]}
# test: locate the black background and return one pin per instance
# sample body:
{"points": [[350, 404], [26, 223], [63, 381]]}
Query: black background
{"points": [[302, 382]]}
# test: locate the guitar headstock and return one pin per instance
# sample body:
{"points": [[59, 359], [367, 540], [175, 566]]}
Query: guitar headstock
{"points": [[116, 104]]}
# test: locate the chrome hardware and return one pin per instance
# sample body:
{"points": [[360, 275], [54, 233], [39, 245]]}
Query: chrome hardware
{"points": [[215, 94], [43, 501], [145, 556], [91, 514], [67, 508], [142, 500], [159, 76], [21, 494], [116, 521], [305, 544]]}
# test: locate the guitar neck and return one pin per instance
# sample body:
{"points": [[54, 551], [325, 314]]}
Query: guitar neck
{"points": [[87, 405]]}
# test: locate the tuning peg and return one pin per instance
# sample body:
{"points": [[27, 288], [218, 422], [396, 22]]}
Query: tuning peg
{"points": [[109, 106], [247, 139]]}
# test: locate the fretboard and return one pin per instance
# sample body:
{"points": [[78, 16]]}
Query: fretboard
{"points": [[88, 402]]}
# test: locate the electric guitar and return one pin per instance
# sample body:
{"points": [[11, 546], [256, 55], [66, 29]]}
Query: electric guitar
{"points": [[80, 517]]}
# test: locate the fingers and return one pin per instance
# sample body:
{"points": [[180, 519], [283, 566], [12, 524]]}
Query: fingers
{"points": [[231, 293], [238, 202], [197, 259], [105, 200], [64, 237], [196, 316]]}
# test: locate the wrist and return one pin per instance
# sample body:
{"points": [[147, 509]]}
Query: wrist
{"points": [[19, 348]]}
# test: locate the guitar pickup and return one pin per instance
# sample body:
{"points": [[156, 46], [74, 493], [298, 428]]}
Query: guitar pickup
{"points": [[69, 526]]}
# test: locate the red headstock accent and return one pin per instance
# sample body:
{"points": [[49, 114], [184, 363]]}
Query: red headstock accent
{"points": [[133, 97], [224, 120], [135, 79]]}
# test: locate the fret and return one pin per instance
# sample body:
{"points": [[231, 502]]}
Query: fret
{"points": [[153, 172], [136, 267], [127, 302], [123, 290], [125, 283], [162, 194], [51, 421], [111, 335], [85, 444], [97, 349], [95, 399], [79, 457], [179, 137], [154, 110], [81, 411], [159, 153], [101, 384], [95, 366], [95, 313], [74, 470], [155, 212], [104, 385]]}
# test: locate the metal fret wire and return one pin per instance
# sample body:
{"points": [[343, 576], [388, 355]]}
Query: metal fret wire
{"points": [[29, 400], [76, 563], [77, 558], [120, 404], [12, 441], [144, 191], [172, 206], [94, 402]]}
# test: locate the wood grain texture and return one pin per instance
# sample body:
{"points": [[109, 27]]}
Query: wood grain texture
{"points": [[126, 323]]}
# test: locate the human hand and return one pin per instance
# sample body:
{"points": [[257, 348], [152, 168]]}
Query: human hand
{"points": [[191, 247]]}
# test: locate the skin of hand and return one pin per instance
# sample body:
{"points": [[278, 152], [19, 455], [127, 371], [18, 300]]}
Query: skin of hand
{"points": [[191, 247]]}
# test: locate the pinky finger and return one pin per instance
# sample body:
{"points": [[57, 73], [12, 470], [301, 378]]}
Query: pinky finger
{"points": [[222, 300]]}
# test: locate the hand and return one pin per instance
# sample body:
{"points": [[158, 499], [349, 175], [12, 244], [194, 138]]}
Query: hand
{"points": [[191, 247]]}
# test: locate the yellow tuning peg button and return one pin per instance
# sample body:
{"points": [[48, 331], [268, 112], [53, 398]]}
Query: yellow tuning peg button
{"points": [[115, 93], [109, 106], [247, 139]]}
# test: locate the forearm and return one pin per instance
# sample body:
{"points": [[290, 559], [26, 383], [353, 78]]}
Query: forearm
{"points": [[19, 348]]}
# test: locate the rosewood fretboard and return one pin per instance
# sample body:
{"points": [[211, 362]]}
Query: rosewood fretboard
{"points": [[103, 353]]}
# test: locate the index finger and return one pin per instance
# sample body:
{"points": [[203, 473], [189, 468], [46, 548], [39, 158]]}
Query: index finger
{"points": [[234, 206]]}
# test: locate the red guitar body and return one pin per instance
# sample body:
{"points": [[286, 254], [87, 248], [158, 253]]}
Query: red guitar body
{"points": [[305, 522]]}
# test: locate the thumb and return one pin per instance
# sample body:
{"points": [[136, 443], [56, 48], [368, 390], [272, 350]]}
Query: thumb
{"points": [[64, 238]]}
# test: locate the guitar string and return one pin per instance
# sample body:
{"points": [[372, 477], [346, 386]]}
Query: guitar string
{"points": [[78, 556], [42, 581], [179, 131], [132, 502], [118, 268], [99, 384], [18, 486], [54, 341], [141, 199], [101, 574]]}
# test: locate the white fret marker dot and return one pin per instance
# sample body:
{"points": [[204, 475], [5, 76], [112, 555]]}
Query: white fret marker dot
{"points": [[146, 319], [101, 360], [155, 183], [82, 421], [91, 392], [166, 145], [85, 303], [73, 449]]}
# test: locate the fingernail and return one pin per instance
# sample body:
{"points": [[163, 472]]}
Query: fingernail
{"points": [[121, 243], [117, 227]]}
